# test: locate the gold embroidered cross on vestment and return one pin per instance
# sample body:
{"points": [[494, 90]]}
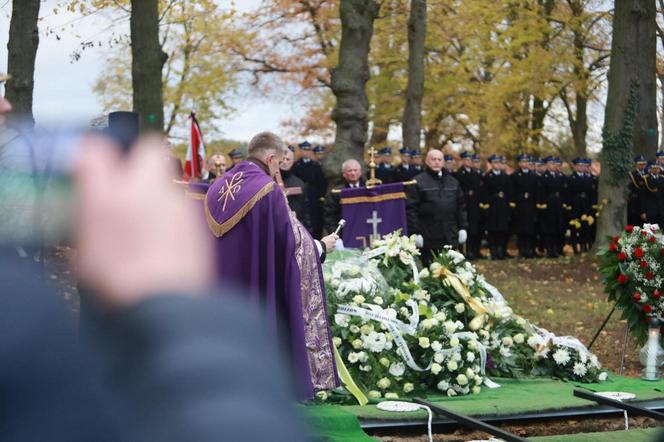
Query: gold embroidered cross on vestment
{"points": [[230, 189]]}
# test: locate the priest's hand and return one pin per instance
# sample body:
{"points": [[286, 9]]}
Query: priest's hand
{"points": [[135, 233], [330, 242]]}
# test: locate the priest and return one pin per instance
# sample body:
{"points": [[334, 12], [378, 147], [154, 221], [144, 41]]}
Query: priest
{"points": [[262, 248]]}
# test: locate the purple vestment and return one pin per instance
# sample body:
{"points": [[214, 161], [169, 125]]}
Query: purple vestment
{"points": [[261, 249]]}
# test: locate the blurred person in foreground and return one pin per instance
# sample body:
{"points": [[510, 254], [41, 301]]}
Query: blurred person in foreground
{"points": [[173, 366], [263, 248]]}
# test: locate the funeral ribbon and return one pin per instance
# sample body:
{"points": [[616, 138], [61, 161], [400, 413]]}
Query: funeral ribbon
{"points": [[394, 326], [462, 290], [347, 379], [383, 250]]}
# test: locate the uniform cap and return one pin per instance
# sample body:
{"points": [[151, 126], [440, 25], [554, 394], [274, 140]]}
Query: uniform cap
{"points": [[466, 154], [235, 153], [385, 151], [319, 149], [305, 145], [495, 158], [640, 159]]}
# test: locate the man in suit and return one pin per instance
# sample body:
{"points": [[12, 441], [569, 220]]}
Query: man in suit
{"points": [[524, 182], [634, 186], [384, 169], [471, 183], [495, 202], [351, 171], [298, 202], [403, 172]]}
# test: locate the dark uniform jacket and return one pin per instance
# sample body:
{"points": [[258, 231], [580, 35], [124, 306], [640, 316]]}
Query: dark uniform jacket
{"points": [[436, 209], [404, 173], [298, 203], [332, 207], [385, 173], [581, 195], [471, 184], [651, 198], [633, 204], [311, 173], [496, 198], [525, 196], [552, 214]]}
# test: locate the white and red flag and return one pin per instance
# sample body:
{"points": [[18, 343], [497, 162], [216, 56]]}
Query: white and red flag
{"points": [[195, 152]]}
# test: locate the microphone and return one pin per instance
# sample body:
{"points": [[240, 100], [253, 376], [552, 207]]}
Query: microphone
{"points": [[342, 223]]}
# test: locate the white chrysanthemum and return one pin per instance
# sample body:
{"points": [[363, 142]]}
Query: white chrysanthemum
{"points": [[602, 376], [440, 316], [460, 308], [354, 328], [443, 385], [353, 357], [470, 356], [408, 387], [534, 341], [366, 329], [397, 369], [383, 383], [543, 353], [470, 374], [594, 361], [341, 320], [450, 327], [580, 369], [424, 342], [405, 258], [426, 324], [452, 365], [454, 342], [365, 368], [374, 342], [439, 357], [456, 257], [505, 352], [436, 346], [561, 357], [518, 338], [451, 392]]}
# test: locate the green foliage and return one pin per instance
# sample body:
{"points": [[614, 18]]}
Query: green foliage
{"points": [[617, 146]]}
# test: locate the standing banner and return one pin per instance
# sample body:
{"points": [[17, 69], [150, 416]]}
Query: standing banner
{"points": [[372, 212]]}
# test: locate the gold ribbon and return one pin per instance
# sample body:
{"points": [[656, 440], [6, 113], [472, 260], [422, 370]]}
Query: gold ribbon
{"points": [[348, 381]]}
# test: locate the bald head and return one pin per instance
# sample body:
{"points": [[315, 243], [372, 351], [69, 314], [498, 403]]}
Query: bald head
{"points": [[435, 160]]}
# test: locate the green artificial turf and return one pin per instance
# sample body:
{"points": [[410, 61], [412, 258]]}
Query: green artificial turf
{"points": [[520, 396], [641, 435], [341, 422]]}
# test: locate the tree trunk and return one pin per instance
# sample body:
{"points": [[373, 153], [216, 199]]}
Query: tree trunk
{"points": [[349, 79], [22, 51], [380, 131], [146, 64], [580, 128], [537, 117], [630, 99], [412, 115]]}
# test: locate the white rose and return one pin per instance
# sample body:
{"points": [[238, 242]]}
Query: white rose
{"points": [[354, 328], [391, 396], [408, 387], [460, 308], [424, 342], [452, 365], [477, 322], [436, 346], [378, 300], [374, 394], [397, 369], [440, 316], [454, 342], [366, 329], [521, 321], [476, 390], [424, 273], [507, 341], [462, 379], [336, 341], [352, 357], [450, 327], [436, 368], [472, 345], [443, 385], [341, 320], [457, 357], [358, 299], [383, 383], [518, 338], [451, 392], [357, 344], [384, 362], [470, 356], [439, 357], [470, 374], [426, 324]]}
